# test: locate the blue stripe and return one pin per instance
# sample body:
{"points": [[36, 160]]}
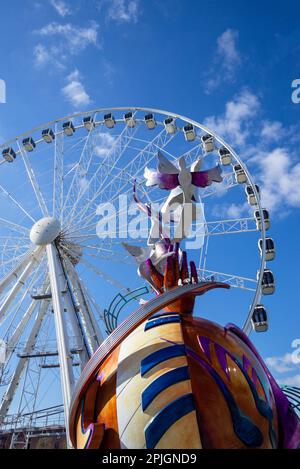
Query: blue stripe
{"points": [[158, 315], [161, 322], [166, 417], [163, 382], [160, 356]]}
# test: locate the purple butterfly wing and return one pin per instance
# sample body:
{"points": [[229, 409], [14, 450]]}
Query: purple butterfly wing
{"points": [[167, 181], [206, 178]]}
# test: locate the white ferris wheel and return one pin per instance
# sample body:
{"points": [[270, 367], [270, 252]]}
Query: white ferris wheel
{"points": [[57, 275]]}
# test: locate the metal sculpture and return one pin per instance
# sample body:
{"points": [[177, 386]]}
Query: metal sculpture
{"points": [[164, 379], [182, 182]]}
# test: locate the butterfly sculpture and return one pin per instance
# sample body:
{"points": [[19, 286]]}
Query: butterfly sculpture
{"points": [[183, 183], [168, 176]]}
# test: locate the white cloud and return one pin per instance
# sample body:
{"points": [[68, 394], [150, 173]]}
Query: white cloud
{"points": [[291, 381], [281, 364], [63, 40], [279, 178], [74, 39], [104, 144], [268, 148], [225, 62], [230, 211], [74, 91], [272, 131], [61, 7], [125, 11], [227, 50], [41, 55], [108, 71], [234, 124]]}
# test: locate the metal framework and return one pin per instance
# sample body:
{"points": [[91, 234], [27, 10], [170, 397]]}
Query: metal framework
{"points": [[52, 299]]}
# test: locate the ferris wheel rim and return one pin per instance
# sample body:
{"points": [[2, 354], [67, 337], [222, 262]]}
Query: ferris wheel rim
{"points": [[159, 116], [247, 324]]}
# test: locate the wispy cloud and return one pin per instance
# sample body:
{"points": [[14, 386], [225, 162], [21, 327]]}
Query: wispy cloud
{"points": [[61, 7], [285, 369], [103, 144], [122, 11], [292, 381], [266, 148], [41, 55], [227, 50], [62, 40], [229, 211], [235, 123], [226, 60], [75, 38], [45, 56], [281, 364], [279, 175], [74, 91]]}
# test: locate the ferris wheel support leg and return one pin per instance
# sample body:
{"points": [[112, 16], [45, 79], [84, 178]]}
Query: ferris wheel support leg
{"points": [[65, 359], [94, 322], [12, 387], [74, 320], [19, 283], [90, 326]]}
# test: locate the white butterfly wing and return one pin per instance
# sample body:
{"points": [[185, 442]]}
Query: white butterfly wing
{"points": [[165, 166]]}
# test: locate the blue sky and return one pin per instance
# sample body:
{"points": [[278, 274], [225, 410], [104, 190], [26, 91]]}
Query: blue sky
{"points": [[222, 63]]}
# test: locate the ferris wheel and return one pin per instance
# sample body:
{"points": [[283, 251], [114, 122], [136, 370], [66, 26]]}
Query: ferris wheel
{"points": [[57, 273]]}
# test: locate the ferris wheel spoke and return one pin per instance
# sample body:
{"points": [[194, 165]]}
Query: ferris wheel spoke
{"points": [[215, 189], [9, 258], [16, 203], [85, 222], [137, 164], [98, 248], [81, 169], [58, 177], [241, 225], [14, 226], [115, 258], [104, 276], [95, 305], [89, 304], [211, 228], [234, 281], [12, 248], [34, 183], [113, 189], [100, 176]]}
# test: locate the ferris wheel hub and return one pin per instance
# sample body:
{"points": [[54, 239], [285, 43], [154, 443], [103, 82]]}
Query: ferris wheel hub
{"points": [[45, 231]]}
